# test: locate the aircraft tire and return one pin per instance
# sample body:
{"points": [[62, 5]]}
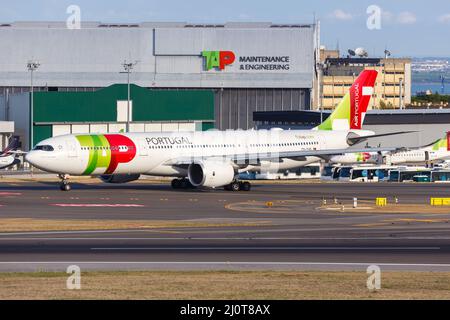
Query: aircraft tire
{"points": [[235, 186], [246, 186], [65, 187]]}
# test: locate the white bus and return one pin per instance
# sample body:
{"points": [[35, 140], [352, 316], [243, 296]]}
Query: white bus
{"points": [[370, 173], [409, 174], [342, 173]]}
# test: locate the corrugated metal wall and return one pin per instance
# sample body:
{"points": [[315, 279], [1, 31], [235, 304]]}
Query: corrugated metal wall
{"points": [[168, 56], [234, 107]]}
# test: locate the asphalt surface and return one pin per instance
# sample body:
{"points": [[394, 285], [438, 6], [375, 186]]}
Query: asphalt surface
{"points": [[293, 234]]}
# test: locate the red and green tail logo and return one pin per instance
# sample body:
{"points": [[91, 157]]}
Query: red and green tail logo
{"points": [[106, 151], [350, 112], [442, 144]]}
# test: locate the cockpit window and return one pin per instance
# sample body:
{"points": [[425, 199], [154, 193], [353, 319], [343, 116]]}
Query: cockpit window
{"points": [[44, 148]]}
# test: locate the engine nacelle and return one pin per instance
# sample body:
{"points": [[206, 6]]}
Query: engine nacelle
{"points": [[119, 178], [210, 174]]}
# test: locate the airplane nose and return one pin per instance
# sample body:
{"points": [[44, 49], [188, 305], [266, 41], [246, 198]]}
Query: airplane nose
{"points": [[31, 157]]}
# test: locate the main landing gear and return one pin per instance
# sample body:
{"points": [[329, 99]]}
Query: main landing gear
{"points": [[238, 186], [64, 184], [182, 184]]}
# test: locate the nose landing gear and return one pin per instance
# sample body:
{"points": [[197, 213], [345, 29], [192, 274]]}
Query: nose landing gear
{"points": [[64, 184]]}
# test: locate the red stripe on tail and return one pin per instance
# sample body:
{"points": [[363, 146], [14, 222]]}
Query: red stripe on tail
{"points": [[448, 141], [358, 101]]}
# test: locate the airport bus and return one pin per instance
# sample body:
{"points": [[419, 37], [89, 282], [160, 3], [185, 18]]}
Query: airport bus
{"points": [[410, 174], [370, 173], [440, 175], [342, 173], [327, 172], [309, 171]]}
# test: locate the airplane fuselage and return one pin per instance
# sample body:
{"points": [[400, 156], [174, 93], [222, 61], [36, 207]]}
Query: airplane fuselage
{"points": [[6, 161], [157, 153], [419, 156]]}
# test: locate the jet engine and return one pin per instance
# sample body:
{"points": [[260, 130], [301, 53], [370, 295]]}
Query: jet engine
{"points": [[210, 174], [119, 178]]}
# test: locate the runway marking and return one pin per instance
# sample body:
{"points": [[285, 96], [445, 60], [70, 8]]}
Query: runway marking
{"points": [[117, 205], [380, 224], [388, 222], [260, 206], [263, 248], [419, 220], [10, 194]]}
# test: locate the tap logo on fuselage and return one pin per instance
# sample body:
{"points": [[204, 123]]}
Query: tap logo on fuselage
{"points": [[106, 151]]}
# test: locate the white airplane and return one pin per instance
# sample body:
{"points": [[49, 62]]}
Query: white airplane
{"points": [[206, 159], [436, 151], [358, 158], [8, 155]]}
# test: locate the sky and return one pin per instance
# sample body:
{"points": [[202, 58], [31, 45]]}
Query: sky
{"points": [[407, 28]]}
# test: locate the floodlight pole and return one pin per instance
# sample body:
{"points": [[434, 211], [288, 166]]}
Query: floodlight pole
{"points": [[32, 66], [128, 66]]}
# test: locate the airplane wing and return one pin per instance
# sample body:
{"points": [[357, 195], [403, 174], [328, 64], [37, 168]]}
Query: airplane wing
{"points": [[420, 147], [16, 152], [357, 139], [272, 156]]}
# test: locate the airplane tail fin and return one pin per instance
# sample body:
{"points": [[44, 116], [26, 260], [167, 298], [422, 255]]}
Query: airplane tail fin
{"points": [[350, 112], [448, 141], [443, 143], [14, 144]]}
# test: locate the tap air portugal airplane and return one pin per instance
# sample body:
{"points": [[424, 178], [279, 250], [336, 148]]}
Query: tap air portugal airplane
{"points": [[206, 159], [436, 151], [358, 158], [8, 156]]}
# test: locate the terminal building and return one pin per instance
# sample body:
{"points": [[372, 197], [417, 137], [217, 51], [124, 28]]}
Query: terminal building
{"points": [[186, 76], [392, 88]]}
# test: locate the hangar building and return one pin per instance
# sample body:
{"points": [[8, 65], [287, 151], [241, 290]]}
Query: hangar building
{"points": [[186, 76]]}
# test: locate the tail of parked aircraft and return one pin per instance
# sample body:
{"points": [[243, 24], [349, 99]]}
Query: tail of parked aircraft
{"points": [[442, 144], [14, 144], [350, 112]]}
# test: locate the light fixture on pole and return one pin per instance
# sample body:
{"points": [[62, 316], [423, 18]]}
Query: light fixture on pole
{"points": [[128, 66], [32, 66]]}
